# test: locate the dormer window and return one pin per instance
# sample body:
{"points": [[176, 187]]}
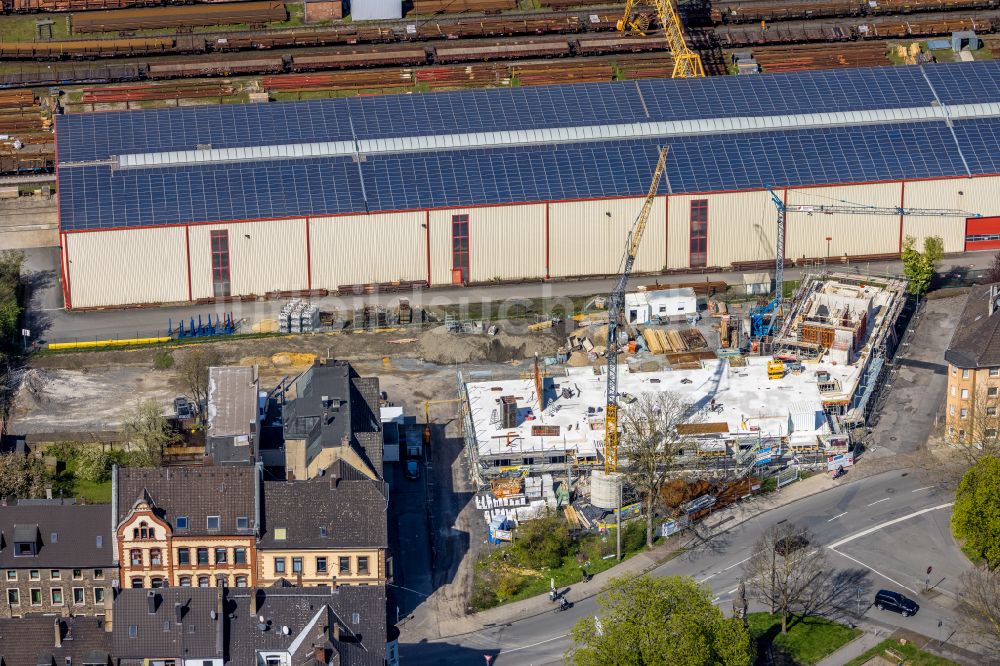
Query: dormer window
{"points": [[22, 549], [25, 540]]}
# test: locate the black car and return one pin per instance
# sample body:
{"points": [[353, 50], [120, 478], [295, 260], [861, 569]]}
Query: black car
{"points": [[895, 602], [790, 544]]}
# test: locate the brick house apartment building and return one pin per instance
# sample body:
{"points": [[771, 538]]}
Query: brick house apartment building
{"points": [[56, 558], [973, 358], [186, 526]]}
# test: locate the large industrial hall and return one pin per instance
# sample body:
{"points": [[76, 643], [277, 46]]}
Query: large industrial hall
{"points": [[483, 186]]}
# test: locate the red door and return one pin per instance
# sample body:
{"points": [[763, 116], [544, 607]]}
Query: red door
{"points": [[982, 233]]}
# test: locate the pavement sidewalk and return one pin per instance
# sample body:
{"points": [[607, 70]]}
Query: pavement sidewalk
{"points": [[855, 648], [638, 564]]}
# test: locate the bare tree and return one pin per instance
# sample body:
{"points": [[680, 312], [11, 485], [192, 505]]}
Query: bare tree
{"points": [[981, 592], [193, 369], [149, 433], [992, 273], [650, 445], [980, 435], [787, 572]]}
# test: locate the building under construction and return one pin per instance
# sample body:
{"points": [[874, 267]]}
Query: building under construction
{"points": [[799, 403]]}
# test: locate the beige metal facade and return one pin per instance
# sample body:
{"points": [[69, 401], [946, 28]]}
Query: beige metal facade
{"points": [[126, 267], [263, 256], [356, 249], [588, 237], [513, 242], [505, 243]]}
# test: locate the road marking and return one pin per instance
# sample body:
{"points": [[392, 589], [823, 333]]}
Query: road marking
{"points": [[525, 647], [884, 499], [919, 489], [873, 569], [732, 590], [876, 528], [837, 516], [713, 575]]}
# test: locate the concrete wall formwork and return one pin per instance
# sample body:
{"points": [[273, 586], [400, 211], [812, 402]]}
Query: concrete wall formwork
{"points": [[505, 243], [851, 234], [585, 240], [263, 256], [356, 249], [741, 227], [126, 267], [975, 195]]}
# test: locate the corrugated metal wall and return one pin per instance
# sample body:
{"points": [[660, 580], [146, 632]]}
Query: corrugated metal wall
{"points": [[851, 234], [127, 267], [263, 256], [505, 242], [978, 195], [741, 227], [356, 249], [585, 240]]}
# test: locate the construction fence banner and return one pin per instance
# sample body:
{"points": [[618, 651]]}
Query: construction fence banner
{"points": [[787, 476], [840, 460], [503, 535], [673, 526]]}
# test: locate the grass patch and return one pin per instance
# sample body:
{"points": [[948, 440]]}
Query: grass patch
{"points": [[808, 640], [21, 27], [912, 655], [68, 484]]}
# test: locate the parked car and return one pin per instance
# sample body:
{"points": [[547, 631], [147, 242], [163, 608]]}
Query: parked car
{"points": [[895, 602], [412, 469], [789, 544]]}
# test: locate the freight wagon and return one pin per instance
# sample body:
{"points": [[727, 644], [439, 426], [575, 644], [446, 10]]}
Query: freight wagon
{"points": [[359, 58], [231, 67], [252, 13], [501, 51]]}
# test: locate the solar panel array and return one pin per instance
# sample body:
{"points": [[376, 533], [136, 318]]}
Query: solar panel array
{"points": [[95, 196]]}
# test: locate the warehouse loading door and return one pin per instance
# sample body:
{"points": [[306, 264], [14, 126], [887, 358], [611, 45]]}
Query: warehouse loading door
{"points": [[982, 233]]}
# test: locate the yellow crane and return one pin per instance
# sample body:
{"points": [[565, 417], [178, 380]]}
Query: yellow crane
{"points": [[687, 63], [616, 307]]}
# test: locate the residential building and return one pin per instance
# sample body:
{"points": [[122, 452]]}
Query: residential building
{"points": [[54, 641], [186, 526], [332, 414], [170, 627], [233, 436], [56, 558], [330, 530], [283, 626], [973, 358]]}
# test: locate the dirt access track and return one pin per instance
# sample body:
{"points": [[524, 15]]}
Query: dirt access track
{"points": [[92, 391]]}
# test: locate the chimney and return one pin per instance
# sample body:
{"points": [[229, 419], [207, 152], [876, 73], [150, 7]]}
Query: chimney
{"points": [[58, 630], [253, 601], [334, 476], [109, 611], [151, 602], [336, 631], [319, 654], [220, 637], [178, 612]]}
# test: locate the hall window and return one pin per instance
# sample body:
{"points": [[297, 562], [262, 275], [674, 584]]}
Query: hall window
{"points": [[699, 233]]}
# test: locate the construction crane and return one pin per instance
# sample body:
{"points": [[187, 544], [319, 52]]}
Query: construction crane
{"points": [[764, 317], [616, 306], [687, 63]]}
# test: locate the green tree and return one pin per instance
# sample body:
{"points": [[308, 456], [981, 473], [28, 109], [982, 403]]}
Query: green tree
{"points": [[93, 464], [149, 433], [918, 267], [668, 620], [542, 542], [976, 516], [11, 262], [22, 475]]}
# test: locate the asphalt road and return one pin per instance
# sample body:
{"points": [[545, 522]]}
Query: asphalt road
{"points": [[55, 324], [885, 530]]}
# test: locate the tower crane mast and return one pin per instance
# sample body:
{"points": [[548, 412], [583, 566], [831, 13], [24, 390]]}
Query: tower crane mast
{"points": [[616, 307]]}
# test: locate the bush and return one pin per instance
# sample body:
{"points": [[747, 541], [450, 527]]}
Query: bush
{"points": [[164, 360], [94, 465], [633, 536], [541, 543]]}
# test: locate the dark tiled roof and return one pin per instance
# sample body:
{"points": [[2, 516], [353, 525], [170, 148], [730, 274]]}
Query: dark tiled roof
{"points": [[25, 641], [195, 492], [352, 413], [360, 642], [351, 512], [158, 633], [76, 528], [976, 341]]}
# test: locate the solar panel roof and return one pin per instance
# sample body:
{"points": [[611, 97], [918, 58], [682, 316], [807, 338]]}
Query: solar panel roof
{"points": [[96, 195]]}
